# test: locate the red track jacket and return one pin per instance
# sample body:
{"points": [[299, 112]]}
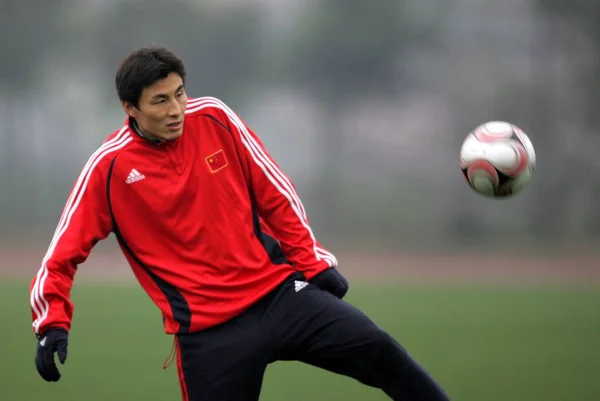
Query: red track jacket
{"points": [[196, 218]]}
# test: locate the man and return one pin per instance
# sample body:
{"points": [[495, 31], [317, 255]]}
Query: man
{"points": [[217, 236]]}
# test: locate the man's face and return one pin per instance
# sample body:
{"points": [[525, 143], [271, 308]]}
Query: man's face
{"points": [[161, 109]]}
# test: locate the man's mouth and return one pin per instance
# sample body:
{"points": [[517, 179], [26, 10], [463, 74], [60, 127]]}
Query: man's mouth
{"points": [[175, 125]]}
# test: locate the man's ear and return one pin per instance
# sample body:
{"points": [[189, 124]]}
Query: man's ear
{"points": [[130, 109]]}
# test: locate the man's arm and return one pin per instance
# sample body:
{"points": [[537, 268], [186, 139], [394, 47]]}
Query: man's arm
{"points": [[277, 201], [85, 221]]}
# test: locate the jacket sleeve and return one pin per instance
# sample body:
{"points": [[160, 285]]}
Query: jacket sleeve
{"points": [[85, 220], [278, 203]]}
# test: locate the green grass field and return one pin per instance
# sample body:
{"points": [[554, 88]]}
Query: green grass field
{"points": [[481, 343]]}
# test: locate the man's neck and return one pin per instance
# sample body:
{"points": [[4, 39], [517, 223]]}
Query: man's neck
{"points": [[138, 131]]}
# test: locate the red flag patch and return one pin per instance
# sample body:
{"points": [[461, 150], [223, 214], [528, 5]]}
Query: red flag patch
{"points": [[216, 161]]}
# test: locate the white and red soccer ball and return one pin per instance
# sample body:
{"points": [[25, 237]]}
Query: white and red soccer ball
{"points": [[497, 159]]}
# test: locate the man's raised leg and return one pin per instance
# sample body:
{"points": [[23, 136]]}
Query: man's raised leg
{"points": [[319, 329]]}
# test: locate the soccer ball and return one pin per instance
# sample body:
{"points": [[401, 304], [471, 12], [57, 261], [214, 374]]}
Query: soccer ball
{"points": [[497, 159]]}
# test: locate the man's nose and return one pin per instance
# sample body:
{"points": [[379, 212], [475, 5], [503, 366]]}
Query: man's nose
{"points": [[175, 108]]}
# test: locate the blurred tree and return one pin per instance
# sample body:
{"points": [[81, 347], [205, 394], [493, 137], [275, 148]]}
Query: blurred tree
{"points": [[21, 71], [342, 51], [221, 47], [20, 31], [578, 19], [348, 48]]}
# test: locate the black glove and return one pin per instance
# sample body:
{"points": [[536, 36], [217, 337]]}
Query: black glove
{"points": [[53, 340], [331, 280]]}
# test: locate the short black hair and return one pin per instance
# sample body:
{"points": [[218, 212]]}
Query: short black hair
{"points": [[142, 68]]}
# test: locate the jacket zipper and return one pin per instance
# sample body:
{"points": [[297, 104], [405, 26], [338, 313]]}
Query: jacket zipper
{"points": [[172, 157]]}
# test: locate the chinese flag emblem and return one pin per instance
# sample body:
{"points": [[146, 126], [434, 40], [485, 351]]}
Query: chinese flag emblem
{"points": [[216, 161]]}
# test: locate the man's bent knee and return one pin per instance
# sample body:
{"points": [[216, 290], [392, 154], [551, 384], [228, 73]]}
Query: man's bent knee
{"points": [[386, 352], [399, 375]]}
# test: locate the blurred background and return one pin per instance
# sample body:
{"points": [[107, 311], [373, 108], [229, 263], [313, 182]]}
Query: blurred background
{"points": [[365, 105]]}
